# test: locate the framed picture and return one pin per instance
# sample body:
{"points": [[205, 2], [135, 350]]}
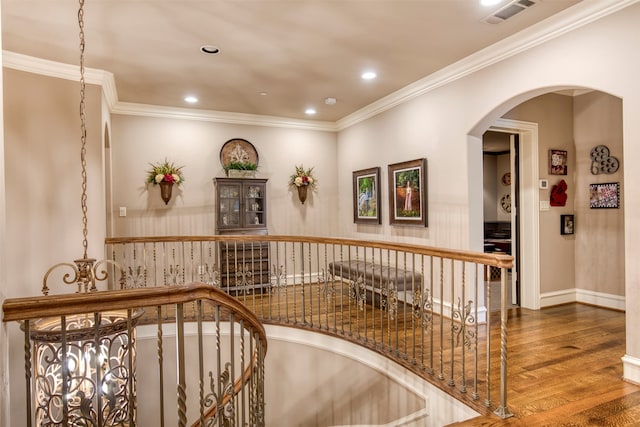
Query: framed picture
{"points": [[366, 196], [567, 224], [408, 193], [557, 162], [605, 195]]}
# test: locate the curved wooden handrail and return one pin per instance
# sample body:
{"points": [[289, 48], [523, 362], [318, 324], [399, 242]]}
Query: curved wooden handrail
{"points": [[19, 309], [492, 259]]}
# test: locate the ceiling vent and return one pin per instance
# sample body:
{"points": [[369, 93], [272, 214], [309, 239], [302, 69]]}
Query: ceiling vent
{"points": [[507, 11]]}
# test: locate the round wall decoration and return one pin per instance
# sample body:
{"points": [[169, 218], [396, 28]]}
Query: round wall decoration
{"points": [[238, 150], [506, 178]]}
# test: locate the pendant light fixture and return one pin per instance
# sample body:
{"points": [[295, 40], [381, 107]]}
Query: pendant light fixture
{"points": [[84, 364]]}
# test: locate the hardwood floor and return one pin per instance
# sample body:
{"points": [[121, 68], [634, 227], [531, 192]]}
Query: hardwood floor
{"points": [[565, 370], [565, 367]]}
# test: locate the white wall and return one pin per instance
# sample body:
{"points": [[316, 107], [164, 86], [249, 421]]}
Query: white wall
{"points": [[137, 141]]}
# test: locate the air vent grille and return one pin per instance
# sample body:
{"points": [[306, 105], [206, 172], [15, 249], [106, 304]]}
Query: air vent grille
{"points": [[507, 11]]}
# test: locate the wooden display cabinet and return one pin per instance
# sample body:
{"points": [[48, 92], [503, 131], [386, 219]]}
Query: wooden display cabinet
{"points": [[241, 208]]}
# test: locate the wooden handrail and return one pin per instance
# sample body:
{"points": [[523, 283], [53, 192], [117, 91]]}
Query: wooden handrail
{"points": [[492, 259], [19, 309]]}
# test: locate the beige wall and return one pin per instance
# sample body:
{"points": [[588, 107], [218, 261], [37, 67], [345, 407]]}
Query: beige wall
{"points": [[4, 341], [600, 233], [443, 124], [43, 177], [43, 188], [490, 186], [137, 141], [554, 115]]}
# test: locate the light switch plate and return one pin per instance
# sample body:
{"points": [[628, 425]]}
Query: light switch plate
{"points": [[544, 205], [123, 211]]}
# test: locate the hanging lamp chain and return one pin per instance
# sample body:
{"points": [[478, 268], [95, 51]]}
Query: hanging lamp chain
{"points": [[83, 131], [86, 270]]}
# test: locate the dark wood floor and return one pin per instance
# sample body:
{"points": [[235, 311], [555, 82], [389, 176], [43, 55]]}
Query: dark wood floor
{"points": [[565, 370]]}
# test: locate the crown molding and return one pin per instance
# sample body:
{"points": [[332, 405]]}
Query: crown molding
{"points": [[564, 22], [134, 109], [555, 26], [45, 67], [106, 80]]}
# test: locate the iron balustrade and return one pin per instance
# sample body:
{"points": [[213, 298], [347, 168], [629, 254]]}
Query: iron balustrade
{"points": [[428, 309], [81, 370]]}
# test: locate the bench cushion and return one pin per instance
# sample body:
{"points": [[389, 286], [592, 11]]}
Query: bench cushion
{"points": [[376, 275]]}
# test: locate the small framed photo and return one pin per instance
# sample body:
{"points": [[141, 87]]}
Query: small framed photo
{"points": [[604, 196], [567, 224], [366, 196], [557, 162], [408, 193]]}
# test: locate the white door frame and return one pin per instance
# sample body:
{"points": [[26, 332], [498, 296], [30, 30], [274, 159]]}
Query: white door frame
{"points": [[529, 214]]}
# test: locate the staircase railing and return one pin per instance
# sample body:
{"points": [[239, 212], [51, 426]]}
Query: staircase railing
{"points": [[84, 352], [430, 309]]}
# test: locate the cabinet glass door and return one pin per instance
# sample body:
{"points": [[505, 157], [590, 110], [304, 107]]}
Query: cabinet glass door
{"points": [[254, 205], [229, 205]]}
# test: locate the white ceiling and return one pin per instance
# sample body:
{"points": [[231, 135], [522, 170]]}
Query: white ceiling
{"points": [[297, 51]]}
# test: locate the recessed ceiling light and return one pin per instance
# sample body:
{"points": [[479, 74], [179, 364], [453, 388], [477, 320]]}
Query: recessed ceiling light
{"points": [[310, 111], [209, 49], [490, 2], [369, 75], [263, 94], [191, 99]]}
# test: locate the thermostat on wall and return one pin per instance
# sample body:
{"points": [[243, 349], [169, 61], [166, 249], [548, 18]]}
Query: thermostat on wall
{"points": [[544, 184]]}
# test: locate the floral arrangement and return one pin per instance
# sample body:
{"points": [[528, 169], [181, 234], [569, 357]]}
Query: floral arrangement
{"points": [[243, 166], [303, 177], [165, 172]]}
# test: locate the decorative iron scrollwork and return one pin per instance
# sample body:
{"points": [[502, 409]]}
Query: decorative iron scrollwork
{"points": [[464, 317], [358, 292]]}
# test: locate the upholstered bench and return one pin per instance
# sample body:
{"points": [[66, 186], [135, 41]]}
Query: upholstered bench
{"points": [[375, 275], [367, 279]]}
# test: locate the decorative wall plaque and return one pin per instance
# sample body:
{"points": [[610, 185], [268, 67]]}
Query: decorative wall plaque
{"points": [[238, 150], [602, 161]]}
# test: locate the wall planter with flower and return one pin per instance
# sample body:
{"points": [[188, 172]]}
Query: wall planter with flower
{"points": [[303, 179], [165, 174]]}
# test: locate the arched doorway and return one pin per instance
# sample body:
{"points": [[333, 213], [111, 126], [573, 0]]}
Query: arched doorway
{"points": [[557, 268]]}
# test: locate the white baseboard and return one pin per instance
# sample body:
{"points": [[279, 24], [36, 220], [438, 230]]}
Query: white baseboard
{"points": [[599, 299], [631, 369]]}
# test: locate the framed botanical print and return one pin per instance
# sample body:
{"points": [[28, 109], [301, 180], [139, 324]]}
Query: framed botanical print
{"points": [[408, 193], [366, 196], [557, 162]]}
